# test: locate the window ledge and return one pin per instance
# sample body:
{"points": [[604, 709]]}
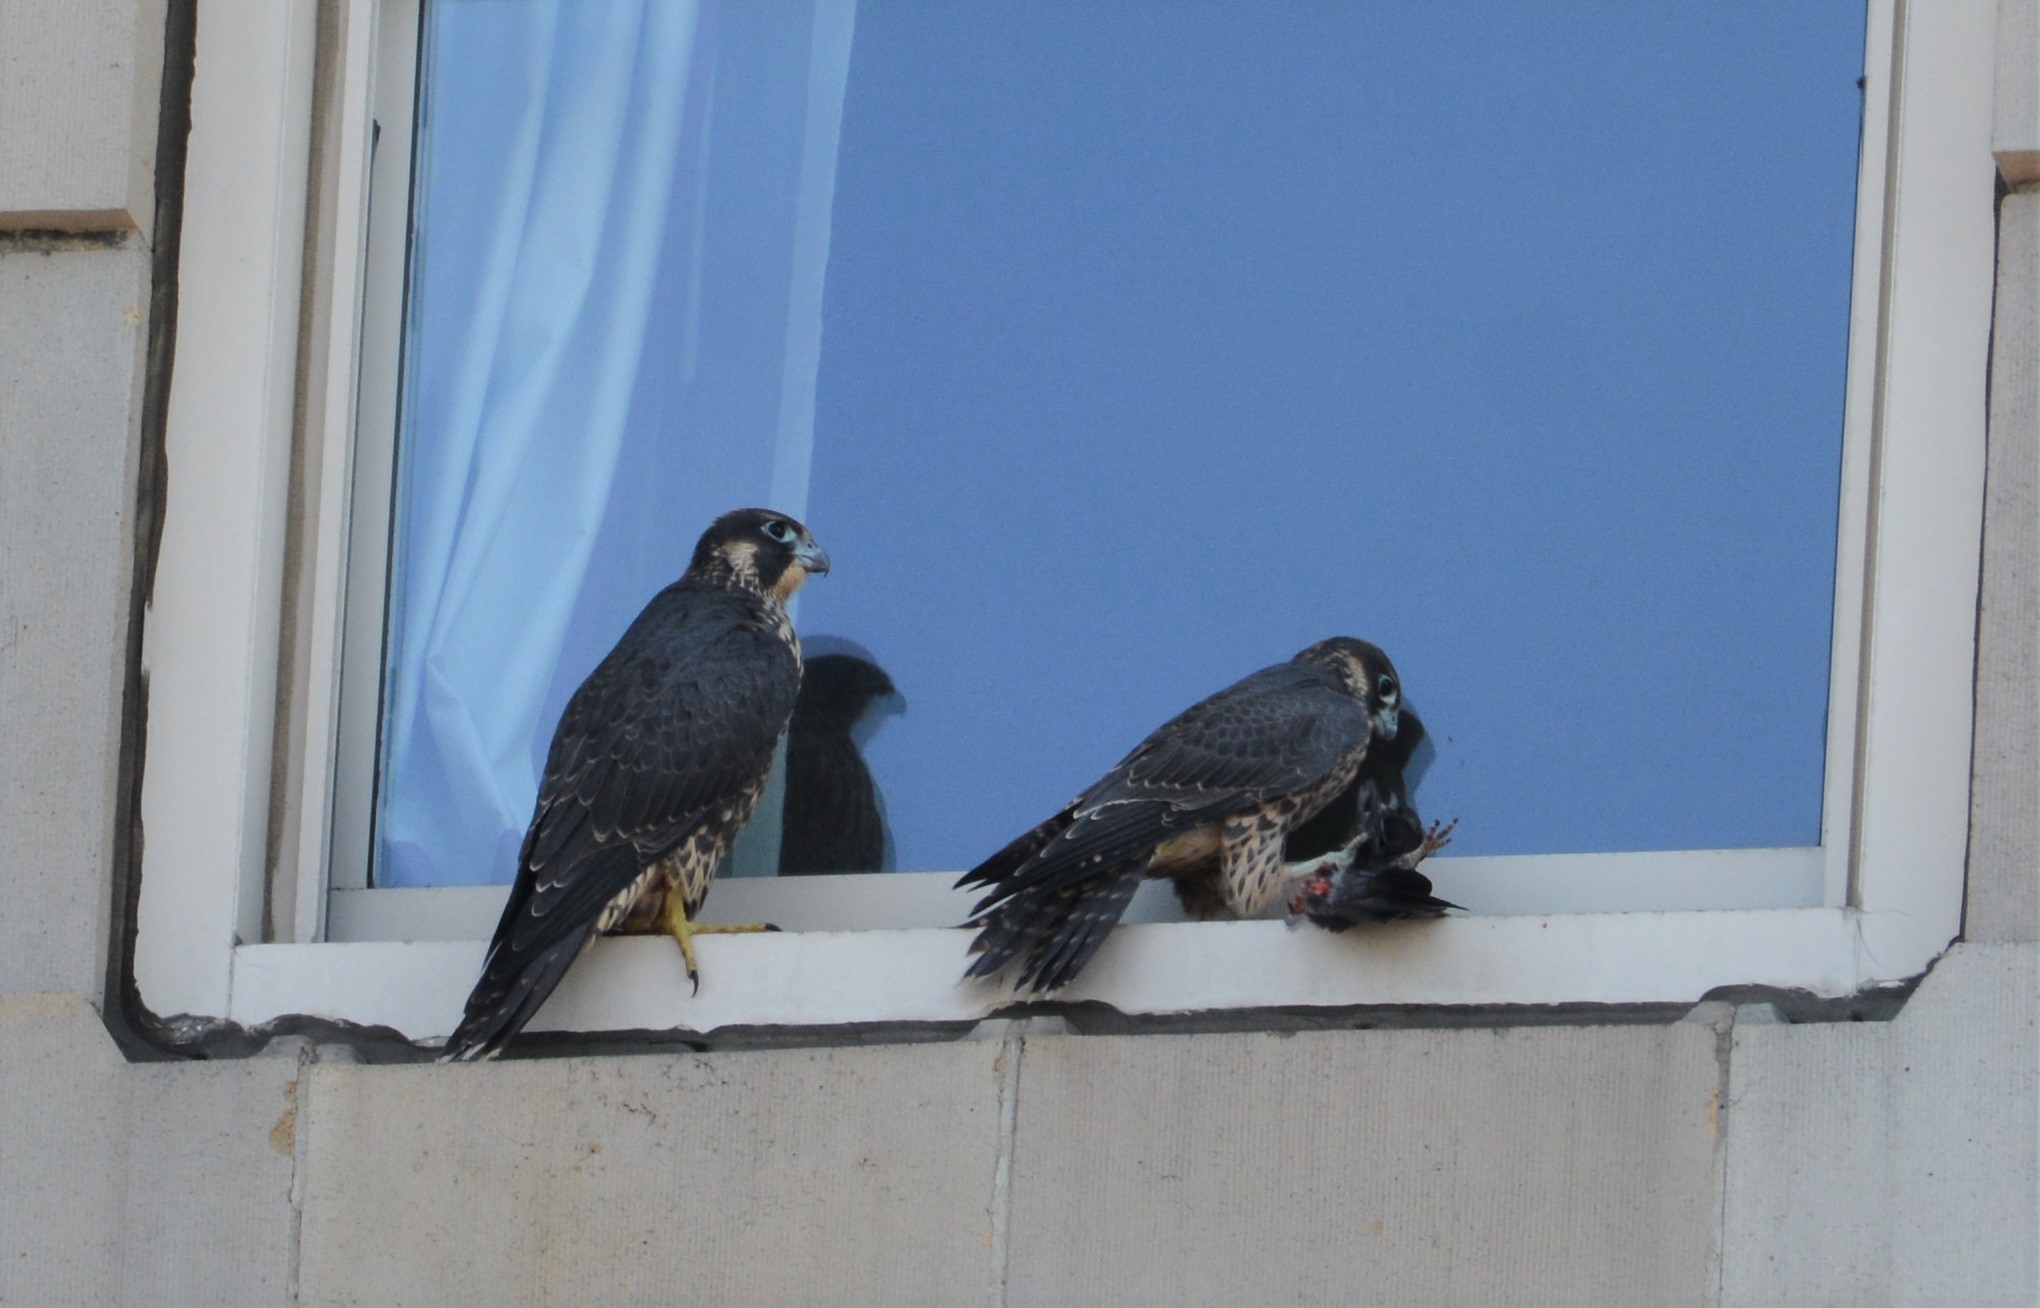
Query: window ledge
{"points": [[1514, 885], [812, 978]]}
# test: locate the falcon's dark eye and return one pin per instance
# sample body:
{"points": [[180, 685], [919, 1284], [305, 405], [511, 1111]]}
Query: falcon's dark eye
{"points": [[1384, 686], [778, 531]]}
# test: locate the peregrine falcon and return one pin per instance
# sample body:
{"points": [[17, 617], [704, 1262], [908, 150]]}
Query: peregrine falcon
{"points": [[833, 820], [656, 765], [1377, 828], [1205, 801]]}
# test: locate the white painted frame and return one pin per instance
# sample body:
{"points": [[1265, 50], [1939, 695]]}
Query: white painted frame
{"points": [[1889, 869], [378, 82]]}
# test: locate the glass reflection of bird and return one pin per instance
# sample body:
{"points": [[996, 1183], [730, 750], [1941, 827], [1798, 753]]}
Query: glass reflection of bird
{"points": [[834, 819]]}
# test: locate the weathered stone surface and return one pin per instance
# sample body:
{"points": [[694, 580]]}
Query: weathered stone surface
{"points": [[128, 1184], [70, 330], [1528, 1166], [2015, 129], [79, 84], [63, 1143], [2004, 814], [1876, 1163], [837, 1176]]}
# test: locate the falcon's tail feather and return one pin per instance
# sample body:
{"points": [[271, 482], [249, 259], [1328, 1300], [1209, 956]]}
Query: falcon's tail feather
{"points": [[1057, 928], [1001, 867], [497, 1012]]}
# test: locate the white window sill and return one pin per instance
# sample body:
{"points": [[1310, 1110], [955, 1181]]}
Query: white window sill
{"points": [[819, 978], [405, 959], [1537, 884]]}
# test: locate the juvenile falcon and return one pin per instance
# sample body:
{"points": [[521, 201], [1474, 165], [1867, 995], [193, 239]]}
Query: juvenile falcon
{"points": [[655, 767], [1206, 801], [1374, 821]]}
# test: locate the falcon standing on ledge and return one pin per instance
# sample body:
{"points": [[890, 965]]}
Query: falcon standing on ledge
{"points": [[655, 767], [1206, 801]]}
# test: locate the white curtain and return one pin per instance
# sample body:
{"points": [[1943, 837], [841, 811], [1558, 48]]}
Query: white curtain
{"points": [[609, 340]]}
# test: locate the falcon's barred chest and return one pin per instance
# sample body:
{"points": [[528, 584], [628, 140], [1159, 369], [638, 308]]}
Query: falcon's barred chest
{"points": [[1253, 863], [689, 869]]}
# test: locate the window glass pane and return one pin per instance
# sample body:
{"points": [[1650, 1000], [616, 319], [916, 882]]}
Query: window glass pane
{"points": [[1114, 351], [615, 298]]}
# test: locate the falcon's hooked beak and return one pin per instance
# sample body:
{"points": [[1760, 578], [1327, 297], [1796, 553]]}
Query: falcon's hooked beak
{"points": [[811, 556]]}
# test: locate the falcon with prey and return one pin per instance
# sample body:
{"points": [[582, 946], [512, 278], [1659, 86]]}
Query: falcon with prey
{"points": [[1205, 801], [655, 767], [1375, 822]]}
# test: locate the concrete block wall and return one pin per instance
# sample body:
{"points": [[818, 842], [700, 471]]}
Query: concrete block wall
{"points": [[71, 332], [164, 1183], [2004, 827], [1722, 1160], [79, 86], [1880, 1163], [1525, 1166]]}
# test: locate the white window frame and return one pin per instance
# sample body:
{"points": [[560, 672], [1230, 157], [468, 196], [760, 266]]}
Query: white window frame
{"points": [[211, 946]]}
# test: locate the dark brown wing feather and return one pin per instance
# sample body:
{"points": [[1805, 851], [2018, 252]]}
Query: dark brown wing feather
{"points": [[1057, 890], [681, 716]]}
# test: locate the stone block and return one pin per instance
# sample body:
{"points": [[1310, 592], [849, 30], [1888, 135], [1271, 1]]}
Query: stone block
{"points": [[207, 1216], [2015, 128], [823, 1176], [71, 327], [80, 84], [1876, 1164], [1538, 1165], [2004, 806], [137, 1184]]}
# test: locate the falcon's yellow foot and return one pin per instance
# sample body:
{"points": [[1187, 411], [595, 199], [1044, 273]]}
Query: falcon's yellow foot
{"points": [[683, 932]]}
